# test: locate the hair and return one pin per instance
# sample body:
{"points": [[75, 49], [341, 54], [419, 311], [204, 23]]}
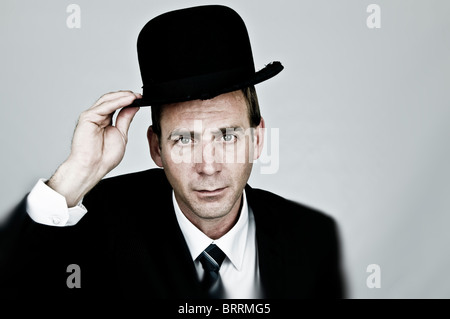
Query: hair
{"points": [[251, 99]]}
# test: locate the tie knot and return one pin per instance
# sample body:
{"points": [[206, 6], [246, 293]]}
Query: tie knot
{"points": [[211, 258]]}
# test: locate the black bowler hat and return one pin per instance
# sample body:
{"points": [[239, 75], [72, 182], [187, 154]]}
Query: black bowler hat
{"points": [[196, 53]]}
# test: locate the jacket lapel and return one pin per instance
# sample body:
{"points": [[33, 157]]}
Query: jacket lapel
{"points": [[181, 271], [270, 258]]}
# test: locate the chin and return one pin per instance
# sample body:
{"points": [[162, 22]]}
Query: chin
{"points": [[211, 211]]}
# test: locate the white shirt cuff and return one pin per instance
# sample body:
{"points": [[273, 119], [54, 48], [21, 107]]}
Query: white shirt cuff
{"points": [[48, 207]]}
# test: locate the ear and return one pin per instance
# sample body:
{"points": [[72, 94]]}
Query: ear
{"points": [[259, 139], [153, 143]]}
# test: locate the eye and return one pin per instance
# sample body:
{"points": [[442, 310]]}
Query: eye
{"points": [[184, 140], [228, 137]]}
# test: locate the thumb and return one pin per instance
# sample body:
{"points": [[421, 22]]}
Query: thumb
{"points": [[124, 119]]}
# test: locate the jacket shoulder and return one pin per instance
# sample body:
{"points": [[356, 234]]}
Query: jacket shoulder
{"points": [[132, 193], [137, 182], [148, 178], [280, 208]]}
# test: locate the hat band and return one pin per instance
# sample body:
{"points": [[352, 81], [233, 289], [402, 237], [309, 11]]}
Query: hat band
{"points": [[205, 86]]}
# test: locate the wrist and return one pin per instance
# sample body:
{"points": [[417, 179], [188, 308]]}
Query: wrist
{"points": [[73, 182]]}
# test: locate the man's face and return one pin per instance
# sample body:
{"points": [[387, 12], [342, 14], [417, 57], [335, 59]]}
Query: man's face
{"points": [[207, 149]]}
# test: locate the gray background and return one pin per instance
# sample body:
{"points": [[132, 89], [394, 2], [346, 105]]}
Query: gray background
{"points": [[363, 115]]}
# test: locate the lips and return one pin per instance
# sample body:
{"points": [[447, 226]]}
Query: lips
{"points": [[211, 192]]}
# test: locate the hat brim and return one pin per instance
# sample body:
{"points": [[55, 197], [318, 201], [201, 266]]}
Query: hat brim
{"points": [[262, 75]]}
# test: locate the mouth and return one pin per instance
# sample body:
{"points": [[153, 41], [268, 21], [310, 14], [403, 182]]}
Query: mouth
{"points": [[212, 192]]}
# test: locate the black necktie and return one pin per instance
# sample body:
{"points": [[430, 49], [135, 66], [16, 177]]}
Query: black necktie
{"points": [[211, 259]]}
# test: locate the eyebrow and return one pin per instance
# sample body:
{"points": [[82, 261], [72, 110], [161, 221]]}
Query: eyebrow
{"points": [[222, 130]]}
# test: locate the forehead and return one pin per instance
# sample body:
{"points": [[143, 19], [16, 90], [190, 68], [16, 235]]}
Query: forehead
{"points": [[225, 109]]}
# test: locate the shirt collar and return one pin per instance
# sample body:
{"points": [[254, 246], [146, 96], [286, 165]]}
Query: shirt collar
{"points": [[232, 243]]}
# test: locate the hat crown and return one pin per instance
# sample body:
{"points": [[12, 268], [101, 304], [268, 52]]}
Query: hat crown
{"points": [[193, 41]]}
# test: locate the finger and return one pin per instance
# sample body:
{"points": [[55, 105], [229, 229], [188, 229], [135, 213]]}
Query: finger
{"points": [[108, 107], [114, 95], [124, 119]]}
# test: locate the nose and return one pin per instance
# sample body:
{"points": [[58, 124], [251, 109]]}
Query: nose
{"points": [[206, 162]]}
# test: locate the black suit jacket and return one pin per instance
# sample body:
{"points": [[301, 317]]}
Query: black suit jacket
{"points": [[129, 245]]}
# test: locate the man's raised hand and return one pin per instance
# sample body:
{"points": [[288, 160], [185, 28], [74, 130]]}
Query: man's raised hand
{"points": [[98, 146]]}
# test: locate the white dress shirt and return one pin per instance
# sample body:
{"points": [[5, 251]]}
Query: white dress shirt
{"points": [[239, 270]]}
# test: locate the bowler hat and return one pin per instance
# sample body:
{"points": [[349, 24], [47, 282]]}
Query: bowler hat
{"points": [[196, 53]]}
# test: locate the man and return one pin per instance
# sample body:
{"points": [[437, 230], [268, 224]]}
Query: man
{"points": [[193, 229]]}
